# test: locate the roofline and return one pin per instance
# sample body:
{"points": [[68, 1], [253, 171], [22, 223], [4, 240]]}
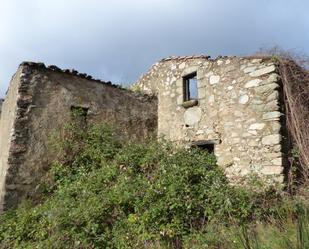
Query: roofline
{"points": [[208, 57], [73, 72]]}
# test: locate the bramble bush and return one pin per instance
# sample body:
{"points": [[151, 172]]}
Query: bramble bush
{"points": [[102, 192]]}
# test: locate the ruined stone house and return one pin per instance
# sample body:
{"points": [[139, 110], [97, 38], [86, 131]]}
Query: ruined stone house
{"points": [[230, 106]]}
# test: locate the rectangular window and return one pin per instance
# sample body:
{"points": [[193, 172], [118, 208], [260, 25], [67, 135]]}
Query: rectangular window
{"points": [[210, 148], [208, 145], [190, 87], [79, 115]]}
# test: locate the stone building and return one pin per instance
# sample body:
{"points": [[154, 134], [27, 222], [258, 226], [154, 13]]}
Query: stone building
{"points": [[230, 106], [39, 102]]}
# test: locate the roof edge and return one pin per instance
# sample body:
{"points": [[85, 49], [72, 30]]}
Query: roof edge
{"points": [[73, 72]]}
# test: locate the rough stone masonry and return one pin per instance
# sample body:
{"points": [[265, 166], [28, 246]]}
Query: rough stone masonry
{"points": [[39, 102], [237, 110], [230, 106]]}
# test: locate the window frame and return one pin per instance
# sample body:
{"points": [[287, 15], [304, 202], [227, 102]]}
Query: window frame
{"points": [[186, 86]]}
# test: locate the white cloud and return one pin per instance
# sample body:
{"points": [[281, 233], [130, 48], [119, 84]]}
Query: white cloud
{"points": [[120, 39]]}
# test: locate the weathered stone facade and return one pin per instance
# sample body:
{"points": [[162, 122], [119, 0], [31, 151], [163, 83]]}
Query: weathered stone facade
{"points": [[238, 110], [39, 102], [238, 113]]}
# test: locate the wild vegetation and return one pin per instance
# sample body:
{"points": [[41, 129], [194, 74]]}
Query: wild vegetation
{"points": [[103, 193]]}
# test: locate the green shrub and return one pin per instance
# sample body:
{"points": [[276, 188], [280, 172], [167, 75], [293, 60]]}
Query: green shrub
{"points": [[101, 193]]}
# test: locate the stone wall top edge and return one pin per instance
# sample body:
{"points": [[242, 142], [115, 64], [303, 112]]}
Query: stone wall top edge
{"points": [[74, 73], [179, 59], [220, 57]]}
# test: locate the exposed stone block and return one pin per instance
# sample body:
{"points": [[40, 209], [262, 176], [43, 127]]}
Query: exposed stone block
{"points": [[271, 79], [273, 96], [263, 71], [272, 115], [277, 161], [272, 105], [253, 83], [271, 139], [214, 79], [192, 116], [243, 99], [275, 126], [257, 126], [249, 69], [269, 88]]}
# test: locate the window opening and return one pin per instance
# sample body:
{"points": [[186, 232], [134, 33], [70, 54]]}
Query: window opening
{"points": [[79, 115], [209, 146], [190, 87]]}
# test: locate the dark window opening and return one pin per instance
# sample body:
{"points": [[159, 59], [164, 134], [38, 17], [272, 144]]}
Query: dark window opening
{"points": [[79, 115], [209, 146], [190, 87]]}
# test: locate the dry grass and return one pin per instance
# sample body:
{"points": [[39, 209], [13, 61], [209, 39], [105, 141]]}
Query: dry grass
{"points": [[295, 81], [294, 73]]}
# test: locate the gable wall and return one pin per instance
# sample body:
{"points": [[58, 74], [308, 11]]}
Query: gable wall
{"points": [[39, 103]]}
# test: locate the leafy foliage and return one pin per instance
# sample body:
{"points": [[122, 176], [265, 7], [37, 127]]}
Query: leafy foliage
{"points": [[104, 193]]}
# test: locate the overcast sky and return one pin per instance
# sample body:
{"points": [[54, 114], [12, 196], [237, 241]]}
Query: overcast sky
{"points": [[118, 40]]}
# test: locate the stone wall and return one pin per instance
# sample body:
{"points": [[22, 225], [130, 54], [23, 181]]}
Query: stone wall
{"points": [[238, 110], [1, 101], [39, 102], [8, 116]]}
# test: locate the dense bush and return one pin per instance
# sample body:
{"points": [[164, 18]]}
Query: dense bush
{"points": [[104, 193]]}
